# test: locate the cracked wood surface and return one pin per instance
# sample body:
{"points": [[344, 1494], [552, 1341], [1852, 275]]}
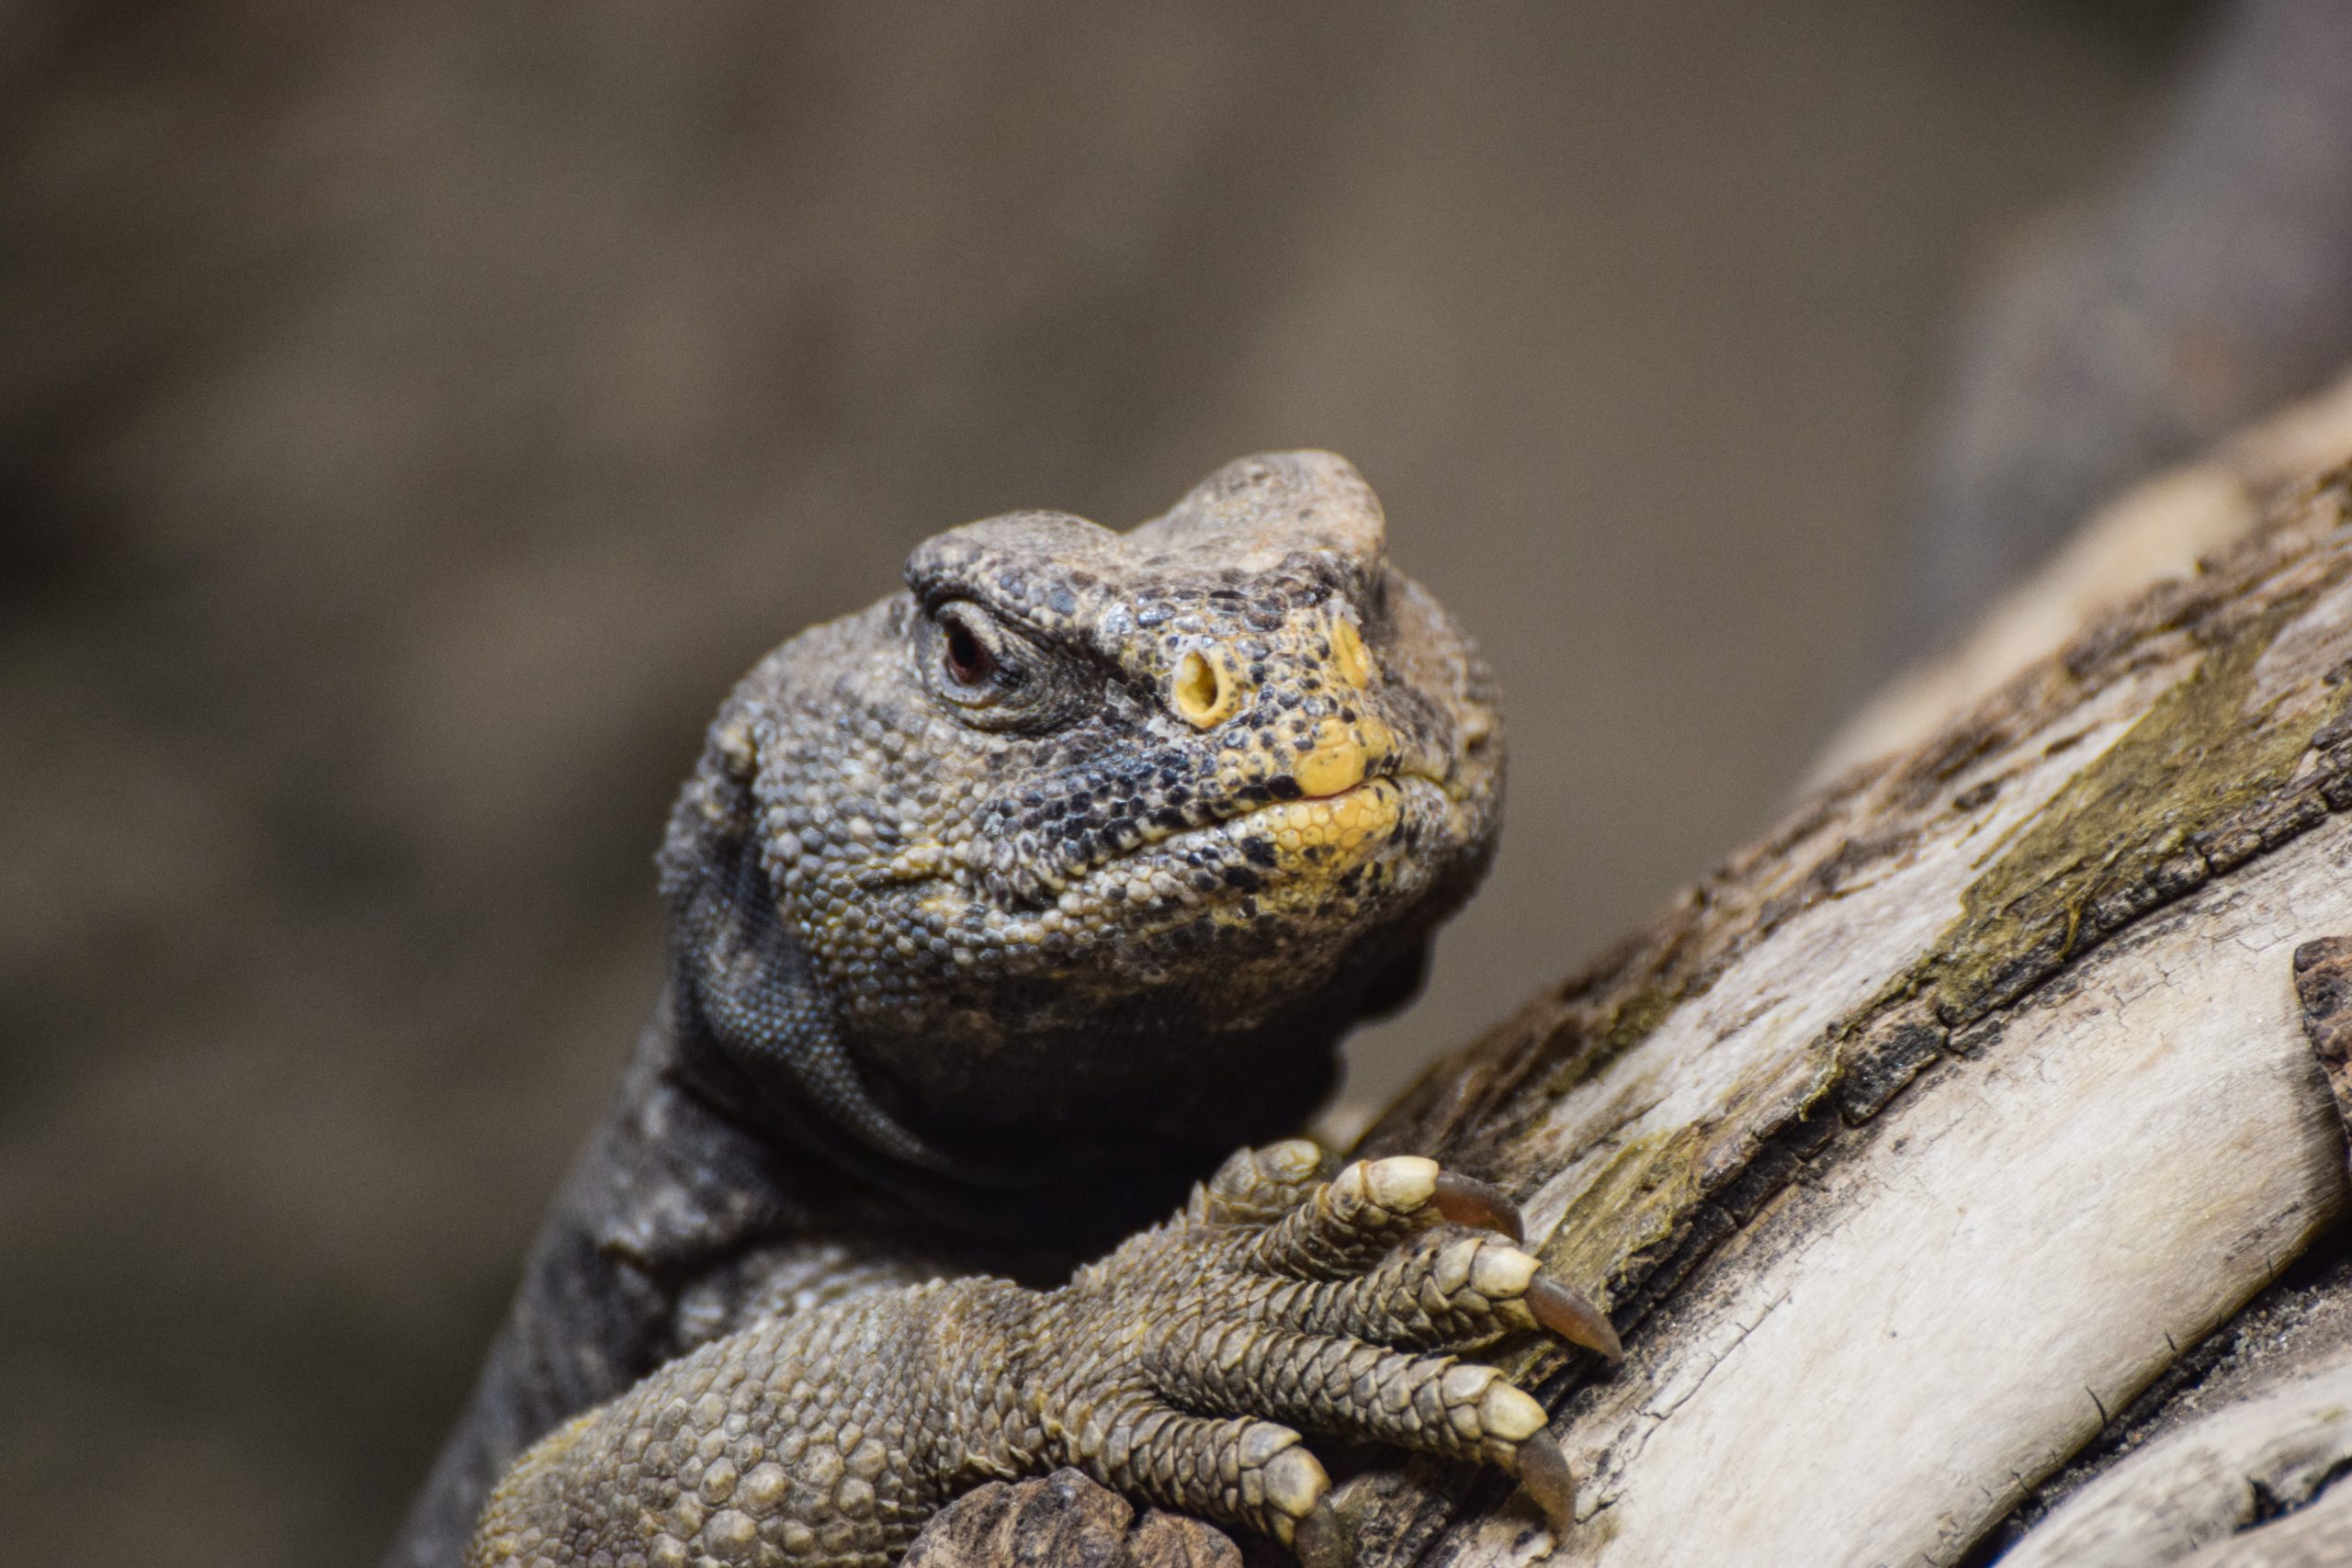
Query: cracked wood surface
{"points": [[1915, 1142], [2246, 1485]]}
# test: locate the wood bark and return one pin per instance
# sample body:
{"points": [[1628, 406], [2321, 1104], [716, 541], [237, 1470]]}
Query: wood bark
{"points": [[1964, 1162]]}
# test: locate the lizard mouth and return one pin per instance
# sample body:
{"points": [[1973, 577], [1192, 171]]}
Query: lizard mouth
{"points": [[1325, 814], [1314, 837], [1262, 853], [1328, 813]]}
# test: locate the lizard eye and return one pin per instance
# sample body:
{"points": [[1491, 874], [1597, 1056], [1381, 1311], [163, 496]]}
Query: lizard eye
{"points": [[990, 672], [965, 657], [973, 660]]}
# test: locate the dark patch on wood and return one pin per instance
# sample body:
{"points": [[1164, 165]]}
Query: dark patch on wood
{"points": [[2323, 986], [1886, 1065], [1976, 796], [2269, 1505], [1703, 1226]]}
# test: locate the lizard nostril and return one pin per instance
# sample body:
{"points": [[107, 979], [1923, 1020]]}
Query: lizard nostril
{"points": [[1204, 694]]}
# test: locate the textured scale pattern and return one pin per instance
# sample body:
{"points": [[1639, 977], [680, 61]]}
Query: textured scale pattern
{"points": [[1180, 1371], [1077, 799]]}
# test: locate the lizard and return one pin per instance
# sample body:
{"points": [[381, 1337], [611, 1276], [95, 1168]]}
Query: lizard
{"points": [[999, 910]]}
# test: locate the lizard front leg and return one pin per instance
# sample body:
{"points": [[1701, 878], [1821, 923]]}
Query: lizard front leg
{"points": [[1178, 1369]]}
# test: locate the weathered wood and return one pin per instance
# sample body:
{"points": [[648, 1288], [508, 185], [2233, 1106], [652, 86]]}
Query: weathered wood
{"points": [[1918, 1140], [2251, 1470], [2324, 990]]}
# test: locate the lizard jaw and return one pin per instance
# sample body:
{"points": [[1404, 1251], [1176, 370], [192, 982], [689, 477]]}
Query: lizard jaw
{"points": [[1320, 804], [1280, 847]]}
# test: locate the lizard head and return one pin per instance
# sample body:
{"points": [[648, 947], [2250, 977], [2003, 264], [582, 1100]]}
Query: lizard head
{"points": [[1115, 823]]}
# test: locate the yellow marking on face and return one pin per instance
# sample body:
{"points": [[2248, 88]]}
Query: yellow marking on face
{"points": [[1342, 755], [1336, 763], [1351, 660]]}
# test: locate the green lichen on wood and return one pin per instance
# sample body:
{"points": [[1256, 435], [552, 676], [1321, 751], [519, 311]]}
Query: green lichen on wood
{"points": [[1632, 1203], [2199, 758], [1630, 1021]]}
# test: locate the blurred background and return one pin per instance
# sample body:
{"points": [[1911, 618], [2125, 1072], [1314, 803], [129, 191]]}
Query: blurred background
{"points": [[413, 416]]}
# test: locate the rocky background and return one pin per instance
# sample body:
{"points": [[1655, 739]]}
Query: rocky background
{"points": [[414, 415]]}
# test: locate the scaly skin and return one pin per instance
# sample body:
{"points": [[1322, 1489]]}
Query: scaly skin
{"points": [[1210, 777], [1167, 1370], [1001, 909]]}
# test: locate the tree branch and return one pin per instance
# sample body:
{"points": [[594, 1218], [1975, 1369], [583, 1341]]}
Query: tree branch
{"points": [[1921, 1138]]}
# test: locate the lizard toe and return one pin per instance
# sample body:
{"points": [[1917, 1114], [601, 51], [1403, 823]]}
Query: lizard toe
{"points": [[1241, 1470]]}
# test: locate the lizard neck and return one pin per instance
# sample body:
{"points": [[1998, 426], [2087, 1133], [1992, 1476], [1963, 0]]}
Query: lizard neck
{"points": [[1026, 1155]]}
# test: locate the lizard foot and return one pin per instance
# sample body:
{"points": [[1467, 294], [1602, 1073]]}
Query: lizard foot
{"points": [[1288, 1297], [1178, 1370]]}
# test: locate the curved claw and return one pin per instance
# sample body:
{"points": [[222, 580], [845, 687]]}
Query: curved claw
{"points": [[1544, 1470], [1567, 1314], [1480, 1205], [1319, 1539]]}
